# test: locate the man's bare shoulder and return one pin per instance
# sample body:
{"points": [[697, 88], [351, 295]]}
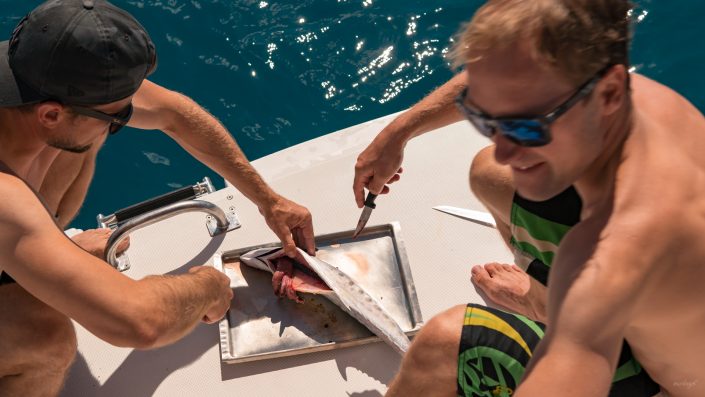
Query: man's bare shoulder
{"points": [[22, 207], [662, 104]]}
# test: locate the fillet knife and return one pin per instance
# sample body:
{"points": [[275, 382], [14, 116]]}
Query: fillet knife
{"points": [[366, 212], [482, 218]]}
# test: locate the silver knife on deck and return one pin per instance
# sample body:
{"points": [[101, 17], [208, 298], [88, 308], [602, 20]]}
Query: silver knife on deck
{"points": [[366, 212], [482, 218]]}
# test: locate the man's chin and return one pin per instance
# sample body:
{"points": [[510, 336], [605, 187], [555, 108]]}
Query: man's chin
{"points": [[70, 148], [538, 193]]}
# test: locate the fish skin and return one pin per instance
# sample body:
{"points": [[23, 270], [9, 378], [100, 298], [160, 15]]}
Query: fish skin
{"points": [[345, 293]]}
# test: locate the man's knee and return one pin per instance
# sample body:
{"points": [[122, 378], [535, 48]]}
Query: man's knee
{"points": [[59, 342], [439, 340], [487, 177], [35, 331], [430, 367], [444, 328], [492, 183]]}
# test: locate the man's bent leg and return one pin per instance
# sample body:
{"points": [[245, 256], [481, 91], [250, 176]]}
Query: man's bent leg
{"points": [[492, 184], [37, 345], [430, 367]]}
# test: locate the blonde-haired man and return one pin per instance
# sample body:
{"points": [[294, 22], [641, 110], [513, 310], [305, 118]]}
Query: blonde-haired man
{"points": [[548, 82]]}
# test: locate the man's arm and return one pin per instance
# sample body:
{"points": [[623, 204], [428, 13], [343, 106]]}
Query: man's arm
{"points": [[380, 163], [594, 287], [147, 313], [66, 184], [206, 139]]}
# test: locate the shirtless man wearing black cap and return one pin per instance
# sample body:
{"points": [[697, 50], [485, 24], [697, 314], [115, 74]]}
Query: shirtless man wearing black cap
{"points": [[73, 72]]}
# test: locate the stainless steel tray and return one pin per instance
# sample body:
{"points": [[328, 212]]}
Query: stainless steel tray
{"points": [[260, 325]]}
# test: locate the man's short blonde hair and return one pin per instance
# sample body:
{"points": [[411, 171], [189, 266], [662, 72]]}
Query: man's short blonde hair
{"points": [[575, 37]]}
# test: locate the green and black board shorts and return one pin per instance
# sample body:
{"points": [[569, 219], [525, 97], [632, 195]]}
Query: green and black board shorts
{"points": [[495, 346]]}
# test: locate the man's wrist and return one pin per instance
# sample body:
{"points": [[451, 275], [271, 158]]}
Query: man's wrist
{"points": [[209, 277], [400, 130]]}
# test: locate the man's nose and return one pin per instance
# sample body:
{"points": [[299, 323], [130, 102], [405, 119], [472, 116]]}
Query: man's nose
{"points": [[505, 149]]}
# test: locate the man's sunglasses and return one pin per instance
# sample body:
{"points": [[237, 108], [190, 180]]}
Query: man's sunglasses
{"points": [[117, 120], [528, 131]]}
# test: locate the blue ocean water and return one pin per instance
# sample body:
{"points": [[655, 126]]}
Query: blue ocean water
{"points": [[277, 73]]}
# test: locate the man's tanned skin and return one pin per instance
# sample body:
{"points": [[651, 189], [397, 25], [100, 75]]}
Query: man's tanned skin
{"points": [[47, 159], [631, 269]]}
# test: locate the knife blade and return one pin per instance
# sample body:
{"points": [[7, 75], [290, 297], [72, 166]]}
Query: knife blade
{"points": [[366, 212], [479, 217]]}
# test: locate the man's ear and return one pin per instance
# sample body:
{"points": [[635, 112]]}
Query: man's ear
{"points": [[612, 89], [50, 113]]}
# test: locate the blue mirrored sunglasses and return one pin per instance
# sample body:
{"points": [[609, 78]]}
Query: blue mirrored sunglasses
{"points": [[528, 131]]}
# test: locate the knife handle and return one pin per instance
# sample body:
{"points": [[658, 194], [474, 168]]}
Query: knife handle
{"points": [[370, 200]]}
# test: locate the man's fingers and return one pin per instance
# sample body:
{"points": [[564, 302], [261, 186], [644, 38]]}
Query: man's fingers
{"points": [[194, 269], [305, 238], [359, 188], [394, 178], [124, 245], [287, 240]]}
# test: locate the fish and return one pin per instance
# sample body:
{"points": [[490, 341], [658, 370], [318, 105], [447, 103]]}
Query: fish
{"points": [[308, 274]]}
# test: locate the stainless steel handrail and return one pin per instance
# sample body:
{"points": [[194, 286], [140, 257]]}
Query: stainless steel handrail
{"points": [[160, 214]]}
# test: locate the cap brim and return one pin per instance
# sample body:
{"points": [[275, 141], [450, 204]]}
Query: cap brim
{"points": [[9, 90]]}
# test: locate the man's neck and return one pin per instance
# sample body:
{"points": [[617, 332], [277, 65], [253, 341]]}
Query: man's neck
{"points": [[21, 149], [597, 184]]}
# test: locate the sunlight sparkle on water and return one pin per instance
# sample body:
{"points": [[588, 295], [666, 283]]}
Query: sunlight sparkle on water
{"points": [[271, 47], [305, 38]]}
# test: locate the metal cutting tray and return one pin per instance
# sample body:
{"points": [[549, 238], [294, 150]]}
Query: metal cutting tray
{"points": [[259, 325]]}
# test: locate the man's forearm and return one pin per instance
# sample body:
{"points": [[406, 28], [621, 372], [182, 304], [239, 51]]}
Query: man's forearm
{"points": [[434, 111], [202, 135], [178, 303], [566, 366]]}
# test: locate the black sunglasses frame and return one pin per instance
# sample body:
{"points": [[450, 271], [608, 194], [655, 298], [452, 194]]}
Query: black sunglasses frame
{"points": [[117, 120], [488, 125]]}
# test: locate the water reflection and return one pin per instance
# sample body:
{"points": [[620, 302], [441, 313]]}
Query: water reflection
{"points": [[277, 73]]}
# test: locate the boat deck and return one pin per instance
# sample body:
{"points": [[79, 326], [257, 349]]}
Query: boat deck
{"points": [[318, 174]]}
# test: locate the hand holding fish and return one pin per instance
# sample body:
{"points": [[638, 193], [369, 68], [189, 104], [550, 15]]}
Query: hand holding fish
{"points": [[378, 166], [292, 223]]}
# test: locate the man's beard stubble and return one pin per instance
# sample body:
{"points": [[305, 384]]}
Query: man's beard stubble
{"points": [[68, 147]]}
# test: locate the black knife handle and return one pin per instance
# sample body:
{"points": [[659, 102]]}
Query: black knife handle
{"points": [[370, 200]]}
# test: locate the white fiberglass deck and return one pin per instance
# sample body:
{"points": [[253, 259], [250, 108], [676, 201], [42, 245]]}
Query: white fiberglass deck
{"points": [[318, 174]]}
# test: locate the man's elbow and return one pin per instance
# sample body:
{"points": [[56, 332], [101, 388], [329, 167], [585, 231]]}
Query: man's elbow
{"points": [[141, 331], [145, 336]]}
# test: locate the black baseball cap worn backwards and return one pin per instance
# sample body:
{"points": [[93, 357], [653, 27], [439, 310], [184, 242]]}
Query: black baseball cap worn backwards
{"points": [[78, 52]]}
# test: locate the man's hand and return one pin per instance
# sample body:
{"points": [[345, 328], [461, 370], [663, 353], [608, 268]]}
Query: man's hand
{"points": [[223, 293], [95, 240], [292, 223], [377, 166]]}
